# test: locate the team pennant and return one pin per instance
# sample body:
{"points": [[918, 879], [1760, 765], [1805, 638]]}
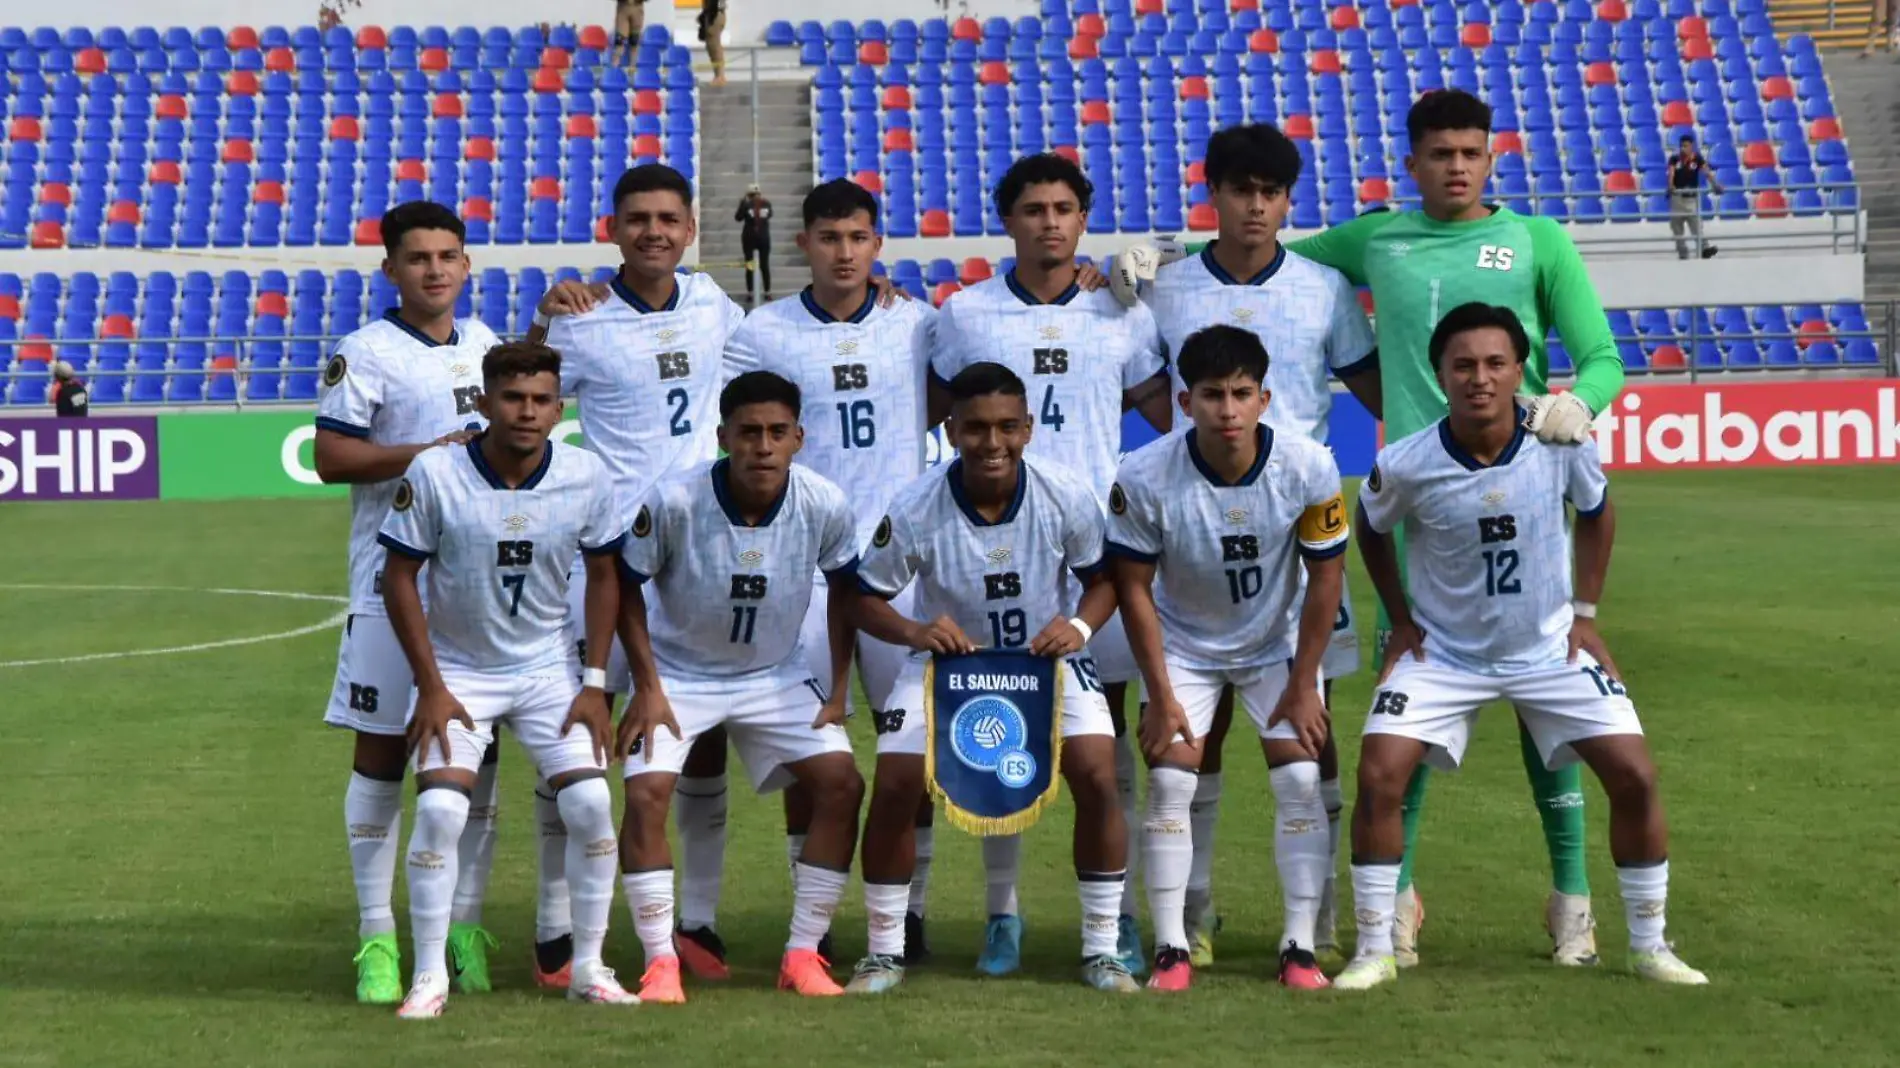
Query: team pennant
{"points": [[995, 749]]}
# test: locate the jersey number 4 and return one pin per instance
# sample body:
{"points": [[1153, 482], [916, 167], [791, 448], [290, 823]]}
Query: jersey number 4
{"points": [[1051, 362]]}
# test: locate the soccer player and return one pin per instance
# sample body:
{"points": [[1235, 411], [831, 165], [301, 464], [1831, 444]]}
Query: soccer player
{"points": [[405, 383], [991, 541], [1225, 514], [497, 520], [1491, 616], [1309, 320], [1084, 359], [732, 546]]}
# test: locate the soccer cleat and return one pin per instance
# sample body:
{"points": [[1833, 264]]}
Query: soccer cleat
{"points": [[1326, 932], [468, 957], [561, 949], [807, 973], [427, 998], [660, 984], [595, 984], [1173, 970], [875, 974], [379, 970], [1663, 966], [1201, 941], [1002, 946], [916, 946], [1367, 971], [1573, 930], [1408, 919], [1300, 970], [1128, 945], [1104, 972], [702, 951]]}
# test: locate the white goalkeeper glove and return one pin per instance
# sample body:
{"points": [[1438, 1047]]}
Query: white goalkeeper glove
{"points": [[1560, 419], [1138, 263]]}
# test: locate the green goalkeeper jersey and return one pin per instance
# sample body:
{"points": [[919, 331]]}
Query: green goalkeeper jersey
{"points": [[1419, 268]]}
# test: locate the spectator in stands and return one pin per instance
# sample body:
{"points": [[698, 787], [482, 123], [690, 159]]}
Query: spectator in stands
{"points": [[1686, 169], [755, 237], [712, 27], [69, 392], [630, 17], [1882, 30]]}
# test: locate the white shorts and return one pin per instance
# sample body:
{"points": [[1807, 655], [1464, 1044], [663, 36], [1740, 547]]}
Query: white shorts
{"points": [[1258, 690], [901, 729], [770, 728], [533, 706], [1342, 652], [878, 663], [619, 677], [1114, 660], [1559, 705], [373, 682]]}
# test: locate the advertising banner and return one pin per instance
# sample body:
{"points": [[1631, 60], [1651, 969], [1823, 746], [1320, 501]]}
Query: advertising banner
{"points": [[222, 455], [1752, 424], [99, 459]]}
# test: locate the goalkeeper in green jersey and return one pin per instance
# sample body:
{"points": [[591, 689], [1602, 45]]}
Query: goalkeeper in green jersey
{"points": [[1419, 265]]}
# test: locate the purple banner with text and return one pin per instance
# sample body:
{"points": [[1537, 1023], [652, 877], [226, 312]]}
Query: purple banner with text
{"points": [[102, 458]]}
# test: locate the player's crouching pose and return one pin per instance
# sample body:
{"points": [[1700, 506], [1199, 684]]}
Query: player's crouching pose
{"points": [[731, 546], [989, 539], [499, 520], [1492, 618], [1219, 512]]}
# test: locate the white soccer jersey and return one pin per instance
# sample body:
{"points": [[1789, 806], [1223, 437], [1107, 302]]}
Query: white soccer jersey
{"points": [[499, 557], [1229, 580], [390, 384], [862, 381], [1001, 582], [1077, 355], [732, 597], [1487, 548], [1306, 314], [648, 380]]}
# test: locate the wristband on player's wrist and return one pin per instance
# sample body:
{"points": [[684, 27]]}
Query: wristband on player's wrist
{"points": [[1584, 609], [593, 678], [540, 319], [1081, 626]]}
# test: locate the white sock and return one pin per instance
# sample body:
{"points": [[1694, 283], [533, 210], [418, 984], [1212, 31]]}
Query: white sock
{"points": [[593, 852], [372, 817], [1375, 889], [1101, 897], [650, 896], [477, 849], [794, 848], [1299, 848], [699, 809], [1125, 791], [1168, 843], [815, 896], [920, 875], [1335, 803], [1202, 815], [1645, 890], [1002, 860], [440, 816], [552, 919], [884, 905]]}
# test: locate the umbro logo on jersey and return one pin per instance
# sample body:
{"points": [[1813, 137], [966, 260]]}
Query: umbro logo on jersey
{"points": [[665, 336], [1236, 515], [1245, 315], [1050, 333], [1494, 497], [458, 370], [751, 557], [515, 522], [846, 348], [997, 556]]}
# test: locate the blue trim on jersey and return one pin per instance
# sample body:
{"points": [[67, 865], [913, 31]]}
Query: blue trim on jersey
{"points": [[402, 548], [1129, 552], [1263, 447], [605, 547], [1024, 295], [864, 586], [848, 569], [1472, 463], [629, 573], [494, 480], [1220, 273], [1594, 512], [1091, 570], [954, 473], [620, 289], [1323, 554], [455, 337], [1363, 365], [721, 472], [348, 430], [819, 313]]}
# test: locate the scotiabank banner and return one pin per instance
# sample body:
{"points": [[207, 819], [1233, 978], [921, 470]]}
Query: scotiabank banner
{"points": [[107, 458], [1752, 424]]}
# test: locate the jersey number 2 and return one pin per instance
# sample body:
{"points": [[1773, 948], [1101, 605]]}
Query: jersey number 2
{"points": [[680, 425]]}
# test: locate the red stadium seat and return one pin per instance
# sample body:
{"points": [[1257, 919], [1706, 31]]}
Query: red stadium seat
{"points": [[1203, 217], [1090, 24], [545, 189], [1475, 35], [1365, 301], [1194, 87], [874, 53], [479, 148], [1811, 330], [372, 37], [1507, 141], [1095, 113], [967, 29], [238, 150], [36, 350], [241, 83], [411, 170], [869, 181], [1697, 48], [90, 61], [240, 38], [224, 364], [1771, 204], [48, 234], [1692, 26], [1600, 74], [1758, 154], [547, 80], [604, 229], [345, 128], [171, 106], [594, 38], [24, 128], [1619, 182], [994, 73], [898, 139], [9, 307], [943, 292], [647, 102], [1345, 18], [1069, 153], [1244, 5], [280, 59], [1677, 113], [434, 60], [896, 98], [1612, 11], [121, 325], [165, 172], [1325, 61], [1150, 7], [935, 223], [478, 208], [369, 231], [1196, 173], [1667, 358], [1263, 40], [268, 193], [647, 145], [272, 304], [1299, 127], [1404, 3], [1083, 48], [123, 211], [1375, 191], [555, 59], [1825, 129], [1777, 87], [446, 106], [974, 270], [56, 193], [582, 126]]}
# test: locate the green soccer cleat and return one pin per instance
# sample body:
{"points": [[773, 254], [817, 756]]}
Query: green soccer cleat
{"points": [[1367, 971], [469, 944], [1201, 941], [379, 971]]}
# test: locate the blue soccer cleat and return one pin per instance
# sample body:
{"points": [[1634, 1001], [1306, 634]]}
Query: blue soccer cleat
{"points": [[1128, 945], [1002, 946]]}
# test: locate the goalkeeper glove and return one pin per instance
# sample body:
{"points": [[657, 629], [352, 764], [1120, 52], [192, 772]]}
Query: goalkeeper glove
{"points": [[1138, 263], [1560, 419]]}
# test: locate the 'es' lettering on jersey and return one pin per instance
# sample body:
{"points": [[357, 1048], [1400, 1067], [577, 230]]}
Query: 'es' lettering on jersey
{"points": [[674, 365], [850, 376], [1496, 257]]}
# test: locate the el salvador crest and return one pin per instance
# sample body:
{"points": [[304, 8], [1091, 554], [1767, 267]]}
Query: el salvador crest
{"points": [[994, 721]]}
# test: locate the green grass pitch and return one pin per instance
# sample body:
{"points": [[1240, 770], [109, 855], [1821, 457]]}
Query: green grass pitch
{"points": [[174, 886]]}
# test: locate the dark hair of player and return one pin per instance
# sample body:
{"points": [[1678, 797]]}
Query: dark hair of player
{"points": [[652, 178], [1476, 316], [839, 198], [1221, 351], [1040, 169], [758, 387], [986, 378], [519, 359], [1446, 109], [418, 215], [1255, 151]]}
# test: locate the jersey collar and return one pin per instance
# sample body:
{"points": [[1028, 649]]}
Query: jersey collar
{"points": [[455, 336], [1472, 463], [621, 289], [1263, 446], [1024, 295], [819, 313], [1220, 273], [721, 471], [494, 481], [954, 472]]}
